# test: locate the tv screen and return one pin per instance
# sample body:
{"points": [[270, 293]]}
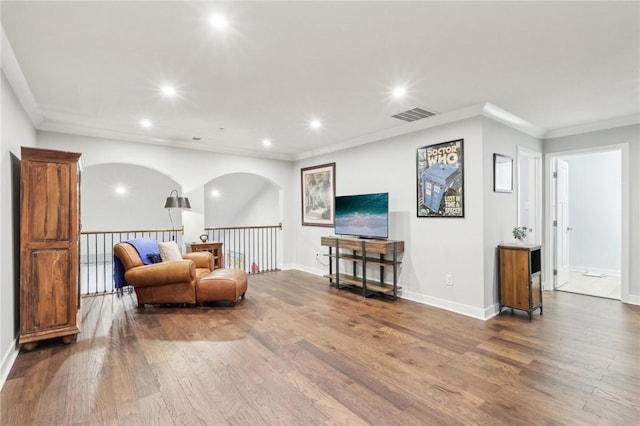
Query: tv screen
{"points": [[364, 215]]}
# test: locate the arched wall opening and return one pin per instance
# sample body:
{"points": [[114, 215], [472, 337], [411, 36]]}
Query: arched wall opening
{"points": [[243, 212]]}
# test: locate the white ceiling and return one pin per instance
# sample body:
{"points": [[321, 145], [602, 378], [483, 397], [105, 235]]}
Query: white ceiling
{"points": [[95, 68]]}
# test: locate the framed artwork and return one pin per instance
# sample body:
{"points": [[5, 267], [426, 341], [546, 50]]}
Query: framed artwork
{"points": [[318, 194], [502, 173], [440, 179]]}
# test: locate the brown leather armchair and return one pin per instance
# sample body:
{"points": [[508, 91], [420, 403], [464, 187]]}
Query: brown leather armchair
{"points": [[164, 282]]}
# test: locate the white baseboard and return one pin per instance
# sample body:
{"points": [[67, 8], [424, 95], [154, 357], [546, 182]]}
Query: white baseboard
{"points": [[632, 299], [458, 308], [304, 268], [7, 361], [491, 311]]}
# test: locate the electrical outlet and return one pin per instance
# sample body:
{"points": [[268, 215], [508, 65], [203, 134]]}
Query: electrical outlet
{"points": [[448, 279]]}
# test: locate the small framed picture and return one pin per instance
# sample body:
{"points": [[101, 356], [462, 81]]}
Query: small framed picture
{"points": [[318, 193], [502, 173]]}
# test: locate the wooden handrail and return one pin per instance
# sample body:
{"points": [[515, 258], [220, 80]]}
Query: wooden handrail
{"points": [[131, 231], [279, 226]]}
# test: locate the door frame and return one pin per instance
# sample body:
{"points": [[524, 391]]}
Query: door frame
{"points": [[548, 215], [561, 239]]}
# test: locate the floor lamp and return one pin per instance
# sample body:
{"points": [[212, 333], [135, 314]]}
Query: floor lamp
{"points": [[174, 201]]}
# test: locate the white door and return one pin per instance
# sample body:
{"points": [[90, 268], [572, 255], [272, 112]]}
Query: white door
{"points": [[562, 228], [529, 194]]}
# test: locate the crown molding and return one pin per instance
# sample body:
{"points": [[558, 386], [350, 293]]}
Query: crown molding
{"points": [[13, 72], [505, 117], [485, 109], [628, 120], [170, 143], [414, 126]]}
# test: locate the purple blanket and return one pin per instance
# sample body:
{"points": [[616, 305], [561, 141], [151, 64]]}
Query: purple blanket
{"points": [[144, 247]]}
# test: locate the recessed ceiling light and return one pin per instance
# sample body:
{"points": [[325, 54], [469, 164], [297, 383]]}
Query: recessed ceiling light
{"points": [[215, 193], [168, 91], [219, 22], [145, 123], [121, 189], [315, 124], [266, 142], [399, 92]]}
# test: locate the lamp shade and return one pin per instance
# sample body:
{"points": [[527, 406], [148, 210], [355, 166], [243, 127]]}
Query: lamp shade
{"points": [[171, 202], [174, 201], [183, 202]]}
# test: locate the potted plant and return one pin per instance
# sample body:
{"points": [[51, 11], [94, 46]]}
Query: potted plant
{"points": [[520, 233]]}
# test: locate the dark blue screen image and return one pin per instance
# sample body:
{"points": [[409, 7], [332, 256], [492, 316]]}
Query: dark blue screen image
{"points": [[365, 215]]}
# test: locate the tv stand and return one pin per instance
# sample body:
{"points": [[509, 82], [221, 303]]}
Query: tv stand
{"points": [[362, 251]]}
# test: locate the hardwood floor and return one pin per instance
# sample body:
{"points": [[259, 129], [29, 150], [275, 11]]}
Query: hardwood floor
{"points": [[297, 351]]}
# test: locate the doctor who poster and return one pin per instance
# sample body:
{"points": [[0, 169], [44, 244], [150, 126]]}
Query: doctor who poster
{"points": [[440, 179]]}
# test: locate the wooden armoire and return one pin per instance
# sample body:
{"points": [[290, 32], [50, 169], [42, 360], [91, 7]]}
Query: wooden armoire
{"points": [[49, 246]]}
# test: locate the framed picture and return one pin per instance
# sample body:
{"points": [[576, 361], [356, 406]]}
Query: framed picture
{"points": [[440, 179], [502, 173], [318, 193]]}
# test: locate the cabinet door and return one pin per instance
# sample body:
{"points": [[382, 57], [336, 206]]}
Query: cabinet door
{"points": [[514, 278], [47, 202], [48, 295]]}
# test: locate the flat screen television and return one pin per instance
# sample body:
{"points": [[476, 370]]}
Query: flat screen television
{"points": [[362, 215]]}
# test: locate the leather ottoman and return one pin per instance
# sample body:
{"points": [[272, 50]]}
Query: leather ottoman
{"points": [[222, 285]]}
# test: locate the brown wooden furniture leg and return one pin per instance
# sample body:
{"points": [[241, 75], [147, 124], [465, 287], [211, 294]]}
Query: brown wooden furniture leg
{"points": [[29, 346]]}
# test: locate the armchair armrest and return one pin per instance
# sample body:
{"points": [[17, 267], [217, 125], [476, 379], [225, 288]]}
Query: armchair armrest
{"points": [[202, 259], [178, 271]]}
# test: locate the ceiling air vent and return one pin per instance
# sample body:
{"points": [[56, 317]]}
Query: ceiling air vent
{"points": [[414, 114]]}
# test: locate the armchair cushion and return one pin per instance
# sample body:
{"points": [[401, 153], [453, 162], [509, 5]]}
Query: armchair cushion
{"points": [[165, 273], [202, 259], [169, 251]]}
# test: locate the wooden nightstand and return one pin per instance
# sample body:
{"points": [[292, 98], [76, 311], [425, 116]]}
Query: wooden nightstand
{"points": [[520, 277], [215, 247]]}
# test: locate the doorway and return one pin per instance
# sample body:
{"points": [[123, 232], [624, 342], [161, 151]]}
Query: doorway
{"points": [[586, 195]]}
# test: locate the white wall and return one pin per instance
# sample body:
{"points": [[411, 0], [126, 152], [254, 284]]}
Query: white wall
{"points": [[190, 169], [433, 246], [16, 131], [629, 136], [140, 207], [595, 202], [243, 200]]}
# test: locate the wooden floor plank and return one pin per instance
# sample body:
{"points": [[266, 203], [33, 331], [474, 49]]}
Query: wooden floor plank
{"points": [[298, 351]]}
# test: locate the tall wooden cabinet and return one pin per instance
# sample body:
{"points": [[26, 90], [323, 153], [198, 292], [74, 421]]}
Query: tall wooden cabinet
{"points": [[520, 277], [49, 246]]}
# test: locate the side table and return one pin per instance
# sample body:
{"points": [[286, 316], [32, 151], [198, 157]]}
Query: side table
{"points": [[215, 247]]}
